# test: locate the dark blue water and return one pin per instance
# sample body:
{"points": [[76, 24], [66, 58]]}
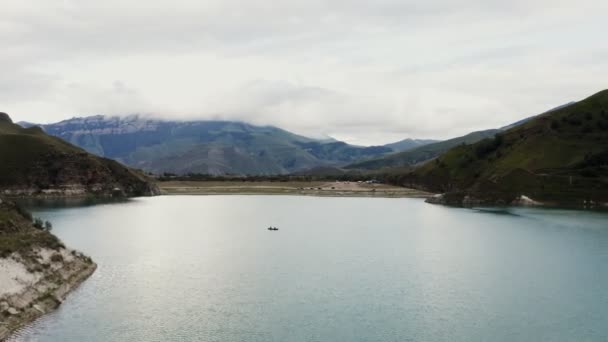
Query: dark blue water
{"points": [[339, 269]]}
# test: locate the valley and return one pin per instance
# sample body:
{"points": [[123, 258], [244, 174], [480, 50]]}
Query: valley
{"points": [[303, 171]]}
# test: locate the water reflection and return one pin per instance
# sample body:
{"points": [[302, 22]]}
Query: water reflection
{"points": [[206, 268], [36, 204]]}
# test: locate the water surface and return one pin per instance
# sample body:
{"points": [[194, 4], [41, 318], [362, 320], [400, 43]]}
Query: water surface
{"points": [[339, 269]]}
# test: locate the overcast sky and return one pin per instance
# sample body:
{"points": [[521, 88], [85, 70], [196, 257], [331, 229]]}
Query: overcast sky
{"points": [[367, 72]]}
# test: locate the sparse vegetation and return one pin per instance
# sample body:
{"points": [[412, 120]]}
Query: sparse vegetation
{"points": [[56, 257], [19, 234]]}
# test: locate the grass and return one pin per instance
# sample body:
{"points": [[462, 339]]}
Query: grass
{"points": [[23, 242], [17, 235]]}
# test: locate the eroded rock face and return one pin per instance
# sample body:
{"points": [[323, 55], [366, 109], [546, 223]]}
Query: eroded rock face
{"points": [[436, 199], [37, 271], [524, 200], [33, 285]]}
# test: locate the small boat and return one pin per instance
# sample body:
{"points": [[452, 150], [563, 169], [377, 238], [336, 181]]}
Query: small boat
{"points": [[273, 228]]}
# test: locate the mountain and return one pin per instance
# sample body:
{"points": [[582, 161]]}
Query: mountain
{"points": [[558, 157], [210, 147], [32, 162], [408, 144], [420, 154]]}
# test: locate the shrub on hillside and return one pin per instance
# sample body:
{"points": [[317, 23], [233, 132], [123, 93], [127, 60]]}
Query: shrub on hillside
{"points": [[38, 224], [24, 213], [488, 146]]}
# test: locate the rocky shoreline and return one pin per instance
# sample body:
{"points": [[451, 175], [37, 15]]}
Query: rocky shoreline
{"points": [[37, 271], [458, 199], [43, 296], [79, 190], [38, 293]]}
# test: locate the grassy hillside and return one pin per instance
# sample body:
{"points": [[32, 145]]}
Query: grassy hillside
{"points": [[33, 162], [420, 154], [18, 235], [560, 157]]}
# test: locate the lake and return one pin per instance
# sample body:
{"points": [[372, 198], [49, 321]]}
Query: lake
{"points": [[206, 268]]}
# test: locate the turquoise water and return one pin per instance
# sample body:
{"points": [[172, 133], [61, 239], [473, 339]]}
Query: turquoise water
{"points": [[339, 269]]}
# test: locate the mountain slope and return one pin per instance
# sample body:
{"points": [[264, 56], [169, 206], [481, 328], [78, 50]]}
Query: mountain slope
{"points": [[32, 162], [214, 147], [558, 157], [420, 154], [522, 121], [409, 144], [432, 149]]}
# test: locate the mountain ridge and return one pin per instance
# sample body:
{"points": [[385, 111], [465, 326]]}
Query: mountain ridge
{"points": [[207, 146], [419, 154], [416, 155]]}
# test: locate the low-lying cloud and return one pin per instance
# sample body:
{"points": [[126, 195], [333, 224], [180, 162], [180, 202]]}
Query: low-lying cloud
{"points": [[369, 72]]}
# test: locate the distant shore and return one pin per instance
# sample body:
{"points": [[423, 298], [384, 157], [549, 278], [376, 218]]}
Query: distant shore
{"points": [[325, 189]]}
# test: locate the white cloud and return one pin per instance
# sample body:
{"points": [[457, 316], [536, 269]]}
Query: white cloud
{"points": [[365, 71]]}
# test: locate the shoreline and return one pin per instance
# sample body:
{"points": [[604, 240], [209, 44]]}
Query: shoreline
{"points": [[343, 195], [521, 201], [314, 189]]}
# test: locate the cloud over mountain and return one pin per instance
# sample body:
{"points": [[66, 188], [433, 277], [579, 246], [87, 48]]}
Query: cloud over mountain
{"points": [[364, 71]]}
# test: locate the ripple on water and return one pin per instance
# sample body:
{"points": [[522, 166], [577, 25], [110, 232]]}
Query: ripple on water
{"points": [[341, 269]]}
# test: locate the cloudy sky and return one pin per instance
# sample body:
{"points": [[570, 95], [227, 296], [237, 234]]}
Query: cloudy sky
{"points": [[367, 72]]}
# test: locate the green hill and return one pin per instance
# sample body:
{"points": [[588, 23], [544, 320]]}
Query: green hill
{"points": [[32, 162], [420, 154], [558, 157]]}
